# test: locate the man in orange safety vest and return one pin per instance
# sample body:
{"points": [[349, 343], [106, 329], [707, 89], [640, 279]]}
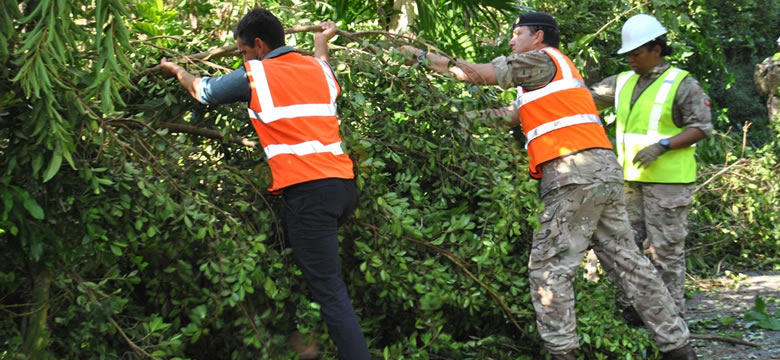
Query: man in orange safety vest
{"points": [[581, 185], [292, 105]]}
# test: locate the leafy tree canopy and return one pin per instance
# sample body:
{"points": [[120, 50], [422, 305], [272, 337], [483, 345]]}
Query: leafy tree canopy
{"points": [[134, 221]]}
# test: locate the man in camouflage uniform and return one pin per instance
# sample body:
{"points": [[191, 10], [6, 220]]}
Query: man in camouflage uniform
{"points": [[768, 73], [582, 190], [661, 113]]}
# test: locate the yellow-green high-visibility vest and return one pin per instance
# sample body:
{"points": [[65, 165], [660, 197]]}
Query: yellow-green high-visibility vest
{"points": [[645, 123], [776, 56]]}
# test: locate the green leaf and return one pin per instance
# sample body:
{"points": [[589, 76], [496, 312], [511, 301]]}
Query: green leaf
{"points": [[270, 287], [8, 204], [37, 163], [32, 206], [728, 320], [759, 317], [199, 312], [147, 28], [54, 164]]}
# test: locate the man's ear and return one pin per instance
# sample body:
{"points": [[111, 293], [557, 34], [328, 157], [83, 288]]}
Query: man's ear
{"points": [[261, 47], [539, 37]]}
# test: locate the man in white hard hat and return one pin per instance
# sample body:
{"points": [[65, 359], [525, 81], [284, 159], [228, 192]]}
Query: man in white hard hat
{"points": [[580, 185], [661, 112]]}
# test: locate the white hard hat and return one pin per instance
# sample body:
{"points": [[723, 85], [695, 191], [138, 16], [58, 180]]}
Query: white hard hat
{"points": [[639, 30]]}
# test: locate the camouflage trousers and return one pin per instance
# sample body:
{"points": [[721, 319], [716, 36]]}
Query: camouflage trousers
{"points": [[659, 218], [578, 217], [773, 105]]}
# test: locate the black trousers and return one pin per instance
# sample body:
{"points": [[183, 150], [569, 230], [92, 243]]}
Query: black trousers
{"points": [[315, 209]]}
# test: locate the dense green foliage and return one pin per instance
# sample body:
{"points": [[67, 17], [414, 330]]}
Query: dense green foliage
{"points": [[134, 224]]}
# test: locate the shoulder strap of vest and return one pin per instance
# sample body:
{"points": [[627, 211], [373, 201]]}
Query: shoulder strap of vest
{"points": [[333, 86], [257, 69], [569, 81], [556, 57], [620, 82], [550, 52], [563, 65], [668, 77]]}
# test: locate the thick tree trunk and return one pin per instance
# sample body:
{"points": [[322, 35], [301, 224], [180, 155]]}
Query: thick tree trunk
{"points": [[404, 18], [36, 336]]}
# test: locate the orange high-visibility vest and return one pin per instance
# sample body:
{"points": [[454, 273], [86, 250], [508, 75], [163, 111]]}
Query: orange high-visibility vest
{"points": [[293, 110], [559, 118]]}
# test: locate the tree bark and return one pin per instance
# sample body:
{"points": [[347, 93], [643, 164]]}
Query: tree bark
{"points": [[404, 17], [36, 336], [229, 50]]}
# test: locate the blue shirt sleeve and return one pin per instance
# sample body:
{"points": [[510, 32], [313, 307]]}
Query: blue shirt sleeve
{"points": [[225, 89]]}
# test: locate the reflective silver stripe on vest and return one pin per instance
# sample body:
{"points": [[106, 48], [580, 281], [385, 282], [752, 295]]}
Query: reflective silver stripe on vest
{"points": [[621, 81], [555, 86], [331, 80], [293, 111], [660, 98], [304, 148], [261, 84], [567, 82], [270, 113], [560, 123], [564, 65]]}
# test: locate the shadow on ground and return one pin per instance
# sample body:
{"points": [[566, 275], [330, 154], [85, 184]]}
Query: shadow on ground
{"points": [[719, 308]]}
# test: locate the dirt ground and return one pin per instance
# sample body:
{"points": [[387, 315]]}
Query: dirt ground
{"points": [[719, 307]]}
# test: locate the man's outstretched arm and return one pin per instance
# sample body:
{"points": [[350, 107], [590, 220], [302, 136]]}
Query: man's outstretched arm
{"points": [[188, 81], [226, 89], [321, 39], [480, 74]]}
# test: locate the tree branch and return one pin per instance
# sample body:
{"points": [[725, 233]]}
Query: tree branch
{"points": [[724, 339], [719, 173], [181, 128], [462, 266], [232, 50], [208, 133], [725, 169], [90, 293]]}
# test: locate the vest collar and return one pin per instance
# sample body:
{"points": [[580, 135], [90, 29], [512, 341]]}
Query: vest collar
{"points": [[656, 71], [279, 52]]}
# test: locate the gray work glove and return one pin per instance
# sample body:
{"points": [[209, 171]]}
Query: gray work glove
{"points": [[646, 156]]}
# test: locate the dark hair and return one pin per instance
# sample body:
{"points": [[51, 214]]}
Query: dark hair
{"points": [[260, 23], [666, 49], [552, 36]]}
